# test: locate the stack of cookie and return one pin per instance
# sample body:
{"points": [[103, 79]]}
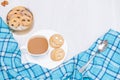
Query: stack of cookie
{"points": [[56, 41], [20, 18]]}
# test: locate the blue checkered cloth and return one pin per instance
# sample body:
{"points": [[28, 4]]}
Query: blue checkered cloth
{"points": [[104, 66]]}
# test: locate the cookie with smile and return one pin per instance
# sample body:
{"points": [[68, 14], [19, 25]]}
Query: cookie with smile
{"points": [[57, 54], [56, 41]]}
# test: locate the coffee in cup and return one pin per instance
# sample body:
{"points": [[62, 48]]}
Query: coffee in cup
{"points": [[37, 45]]}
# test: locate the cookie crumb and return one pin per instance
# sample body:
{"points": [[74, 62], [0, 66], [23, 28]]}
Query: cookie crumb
{"points": [[4, 3]]}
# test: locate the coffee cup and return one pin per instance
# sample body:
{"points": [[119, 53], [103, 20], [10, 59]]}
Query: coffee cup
{"points": [[36, 45]]}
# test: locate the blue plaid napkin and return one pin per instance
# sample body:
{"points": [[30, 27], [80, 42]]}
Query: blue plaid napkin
{"points": [[105, 66]]}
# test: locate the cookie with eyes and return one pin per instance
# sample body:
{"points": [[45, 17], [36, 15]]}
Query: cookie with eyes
{"points": [[57, 54], [56, 41]]}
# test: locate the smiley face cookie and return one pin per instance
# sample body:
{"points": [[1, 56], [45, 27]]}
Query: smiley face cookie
{"points": [[20, 18], [57, 54], [56, 41]]}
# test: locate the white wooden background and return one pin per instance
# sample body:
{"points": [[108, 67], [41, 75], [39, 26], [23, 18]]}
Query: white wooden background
{"points": [[80, 21]]}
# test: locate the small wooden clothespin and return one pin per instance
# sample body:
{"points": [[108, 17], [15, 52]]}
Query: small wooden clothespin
{"points": [[4, 3]]}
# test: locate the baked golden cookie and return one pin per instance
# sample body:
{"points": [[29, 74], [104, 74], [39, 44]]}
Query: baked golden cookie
{"points": [[16, 10], [56, 41], [27, 13], [57, 54], [16, 16], [22, 16], [14, 22], [26, 21], [19, 8], [11, 14]]}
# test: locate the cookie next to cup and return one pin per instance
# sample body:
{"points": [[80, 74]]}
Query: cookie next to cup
{"points": [[57, 54], [56, 41]]}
